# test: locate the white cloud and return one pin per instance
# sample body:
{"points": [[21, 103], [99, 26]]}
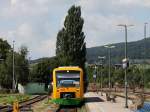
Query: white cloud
{"points": [[14, 2], [136, 3], [35, 23], [23, 33], [97, 25], [18, 8], [128, 2], [47, 47]]}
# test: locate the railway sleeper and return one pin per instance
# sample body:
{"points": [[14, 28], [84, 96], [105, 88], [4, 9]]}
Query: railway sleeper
{"points": [[26, 108]]}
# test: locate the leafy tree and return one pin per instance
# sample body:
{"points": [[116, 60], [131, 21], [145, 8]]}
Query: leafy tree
{"points": [[22, 65], [118, 76], [4, 48], [5, 78], [147, 78], [21, 68], [42, 72], [70, 46]]}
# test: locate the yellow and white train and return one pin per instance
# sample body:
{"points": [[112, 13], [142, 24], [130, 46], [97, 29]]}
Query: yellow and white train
{"points": [[68, 85]]}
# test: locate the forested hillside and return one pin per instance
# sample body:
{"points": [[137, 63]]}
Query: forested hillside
{"points": [[135, 51]]}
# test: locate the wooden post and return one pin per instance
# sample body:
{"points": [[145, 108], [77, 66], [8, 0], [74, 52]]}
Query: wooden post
{"points": [[16, 106]]}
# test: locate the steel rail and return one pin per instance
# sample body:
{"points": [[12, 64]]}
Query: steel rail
{"points": [[23, 103]]}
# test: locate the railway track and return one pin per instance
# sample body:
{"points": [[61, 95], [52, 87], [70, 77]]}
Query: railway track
{"points": [[145, 93], [66, 109], [23, 104]]}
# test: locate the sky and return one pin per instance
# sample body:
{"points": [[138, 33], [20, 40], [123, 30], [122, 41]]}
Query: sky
{"points": [[35, 23]]}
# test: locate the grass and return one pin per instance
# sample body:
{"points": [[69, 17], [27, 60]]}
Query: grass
{"points": [[76, 102], [10, 98]]}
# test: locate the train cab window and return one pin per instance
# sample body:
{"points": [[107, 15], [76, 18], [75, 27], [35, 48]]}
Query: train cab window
{"points": [[68, 78]]}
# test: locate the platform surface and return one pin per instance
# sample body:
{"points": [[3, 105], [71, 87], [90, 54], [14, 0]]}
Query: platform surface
{"points": [[97, 103]]}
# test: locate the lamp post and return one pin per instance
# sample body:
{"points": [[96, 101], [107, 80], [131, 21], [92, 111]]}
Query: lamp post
{"points": [[1, 58], [13, 83], [29, 66], [102, 59], [145, 26], [95, 76], [126, 92], [109, 49]]}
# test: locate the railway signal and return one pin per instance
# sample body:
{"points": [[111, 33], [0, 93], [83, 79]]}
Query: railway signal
{"points": [[95, 75], [1, 57], [125, 63]]}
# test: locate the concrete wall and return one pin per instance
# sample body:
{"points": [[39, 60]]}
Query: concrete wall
{"points": [[32, 88]]}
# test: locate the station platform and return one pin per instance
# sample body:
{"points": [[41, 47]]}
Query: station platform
{"points": [[97, 103]]}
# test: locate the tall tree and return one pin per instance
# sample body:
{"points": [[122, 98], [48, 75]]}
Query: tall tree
{"points": [[5, 78], [4, 48], [70, 45], [22, 65], [42, 72], [21, 68]]}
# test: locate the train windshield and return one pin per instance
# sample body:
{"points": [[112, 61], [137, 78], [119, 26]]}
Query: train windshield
{"points": [[68, 78]]}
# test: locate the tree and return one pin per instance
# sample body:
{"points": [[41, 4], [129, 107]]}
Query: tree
{"points": [[4, 48], [118, 77], [5, 79], [147, 78], [22, 65], [70, 45], [135, 77], [42, 72], [21, 68]]}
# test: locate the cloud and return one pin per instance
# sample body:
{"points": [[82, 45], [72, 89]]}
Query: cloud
{"points": [[102, 17], [96, 27], [35, 23], [145, 3], [23, 33], [23, 8], [38, 44], [17, 8], [13, 2], [47, 47]]}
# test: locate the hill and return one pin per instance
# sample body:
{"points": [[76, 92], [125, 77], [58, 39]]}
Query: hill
{"points": [[135, 51], [39, 60]]}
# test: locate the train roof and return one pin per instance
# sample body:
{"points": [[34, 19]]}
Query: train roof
{"points": [[68, 68]]}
